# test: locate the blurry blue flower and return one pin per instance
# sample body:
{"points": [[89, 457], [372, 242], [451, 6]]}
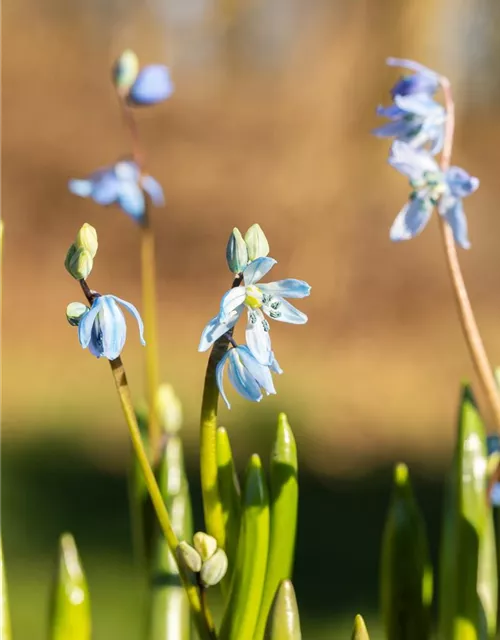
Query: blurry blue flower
{"points": [[493, 445], [102, 328], [430, 188], [152, 85], [416, 119], [422, 81], [258, 300], [120, 184], [246, 374]]}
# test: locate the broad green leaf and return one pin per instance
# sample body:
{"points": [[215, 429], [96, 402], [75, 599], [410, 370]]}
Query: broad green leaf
{"points": [[284, 503], [284, 622], [406, 574], [240, 616]]}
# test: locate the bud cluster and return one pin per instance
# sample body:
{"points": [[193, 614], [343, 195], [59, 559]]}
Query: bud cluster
{"points": [[204, 558]]}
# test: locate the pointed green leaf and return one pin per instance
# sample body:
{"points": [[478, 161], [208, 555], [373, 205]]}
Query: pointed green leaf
{"points": [[5, 629], [70, 615], [487, 579], [461, 615], [229, 493], [284, 503], [284, 622], [406, 575], [359, 631], [240, 616]]}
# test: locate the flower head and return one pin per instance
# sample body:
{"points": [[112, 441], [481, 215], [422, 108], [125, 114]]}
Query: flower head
{"points": [[102, 328], [431, 187], [248, 376], [258, 299], [120, 184]]}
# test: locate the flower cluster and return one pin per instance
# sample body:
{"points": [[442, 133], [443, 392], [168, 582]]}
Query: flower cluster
{"points": [[250, 366], [418, 128]]}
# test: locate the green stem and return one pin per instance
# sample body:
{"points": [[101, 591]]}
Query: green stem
{"points": [[201, 615]]}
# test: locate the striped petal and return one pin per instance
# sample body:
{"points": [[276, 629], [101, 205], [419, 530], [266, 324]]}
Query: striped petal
{"points": [[257, 336], [257, 269], [86, 323], [289, 288], [214, 330]]}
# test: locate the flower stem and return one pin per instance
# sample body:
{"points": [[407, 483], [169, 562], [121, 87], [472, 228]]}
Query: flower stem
{"points": [[466, 315], [212, 507]]}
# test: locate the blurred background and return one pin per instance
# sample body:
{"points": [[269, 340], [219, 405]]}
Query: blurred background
{"points": [[270, 123]]}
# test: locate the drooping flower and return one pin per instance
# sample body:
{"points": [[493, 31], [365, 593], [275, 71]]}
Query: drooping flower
{"points": [[247, 375], [103, 329], [121, 184], [257, 299], [422, 81], [430, 188]]}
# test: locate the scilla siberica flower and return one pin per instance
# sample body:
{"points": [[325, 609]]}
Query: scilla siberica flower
{"points": [[120, 184], [257, 299], [415, 117], [102, 328], [430, 188]]}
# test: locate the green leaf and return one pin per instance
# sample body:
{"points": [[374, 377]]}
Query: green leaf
{"points": [[229, 493], [283, 622], [465, 532], [487, 579], [284, 504], [359, 631], [406, 574], [70, 611], [240, 615], [169, 614], [5, 629]]}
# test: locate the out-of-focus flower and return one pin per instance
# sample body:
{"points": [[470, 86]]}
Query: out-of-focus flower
{"points": [[152, 85], [430, 188], [102, 328], [422, 81], [245, 373], [121, 184]]}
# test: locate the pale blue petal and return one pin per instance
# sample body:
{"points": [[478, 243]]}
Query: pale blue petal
{"points": [[282, 311], [411, 220], [95, 344], [411, 162], [86, 323], [232, 302], [113, 328], [274, 366], [392, 111], [214, 330], [418, 83], [452, 210], [131, 199], [495, 495], [153, 188], [460, 182], [127, 171], [257, 336], [289, 288], [153, 85], [261, 374], [396, 129], [131, 309], [420, 105], [82, 188], [105, 188], [241, 378], [219, 376], [257, 269], [411, 64]]}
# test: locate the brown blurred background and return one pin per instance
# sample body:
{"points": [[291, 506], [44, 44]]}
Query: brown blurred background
{"points": [[270, 123]]}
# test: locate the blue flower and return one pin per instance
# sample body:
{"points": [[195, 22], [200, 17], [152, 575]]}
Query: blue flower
{"points": [[120, 184], [102, 328], [493, 446], [422, 81], [258, 300], [152, 85], [246, 374], [430, 188]]}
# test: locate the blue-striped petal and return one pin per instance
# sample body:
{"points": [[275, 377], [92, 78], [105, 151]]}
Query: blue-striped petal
{"points": [[241, 378], [257, 269], [153, 84], [260, 373], [282, 311], [113, 328], [257, 336], [133, 311], [86, 323], [288, 288], [411, 220]]}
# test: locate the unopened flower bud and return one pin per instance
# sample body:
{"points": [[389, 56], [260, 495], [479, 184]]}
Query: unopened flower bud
{"points": [[169, 408], [189, 556], [205, 545], [214, 569], [78, 263], [236, 252], [74, 311], [125, 70], [87, 239], [256, 241]]}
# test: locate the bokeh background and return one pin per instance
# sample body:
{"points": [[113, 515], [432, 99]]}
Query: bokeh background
{"points": [[270, 123]]}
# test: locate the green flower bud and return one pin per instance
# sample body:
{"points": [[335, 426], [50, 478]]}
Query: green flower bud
{"points": [[74, 311], [125, 70], [87, 239], [189, 556], [169, 408], [78, 263], [257, 244], [214, 569], [205, 545], [236, 252]]}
